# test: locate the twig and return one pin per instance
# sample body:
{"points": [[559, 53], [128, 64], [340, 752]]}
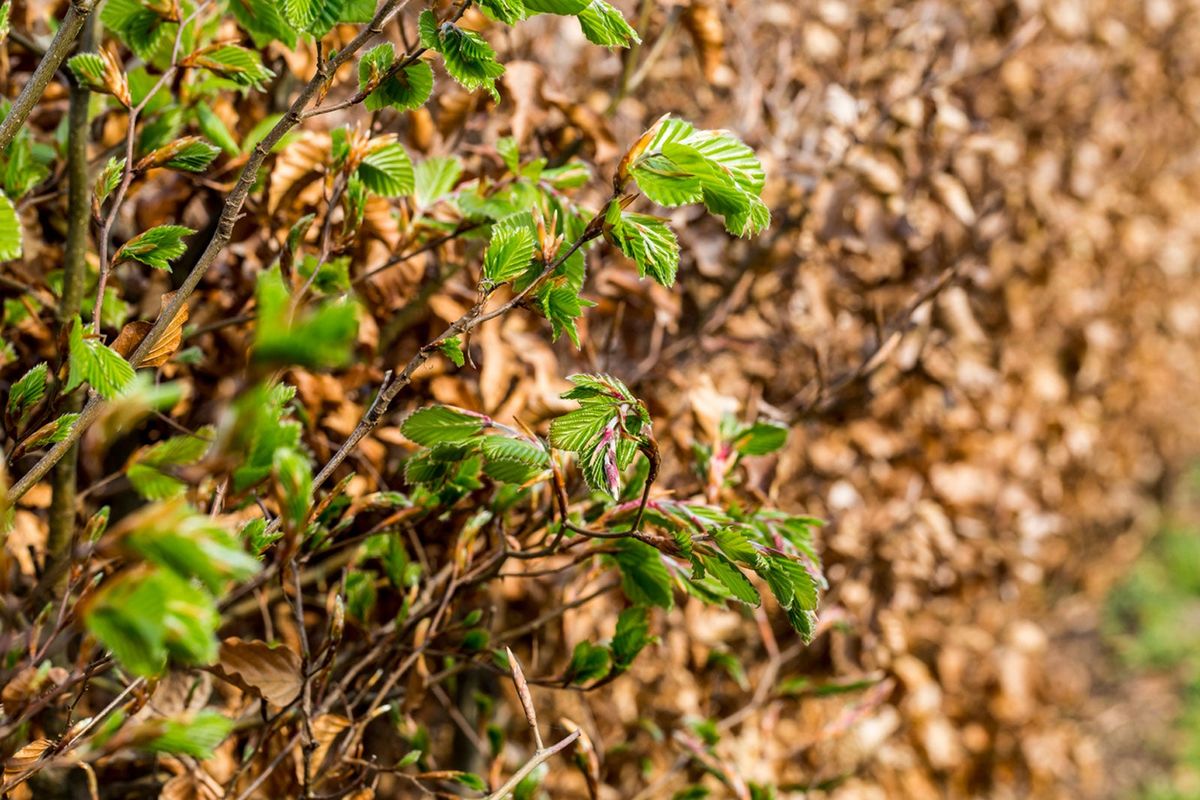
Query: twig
{"points": [[539, 758]]}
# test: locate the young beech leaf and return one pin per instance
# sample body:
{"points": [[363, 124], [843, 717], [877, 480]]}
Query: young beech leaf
{"points": [[589, 662], [435, 178], [644, 577], [649, 241], [469, 59], [761, 438], [510, 12], [409, 88], [156, 247], [214, 128], [508, 254], [674, 164], [145, 32], [563, 7], [264, 21], [442, 425], [427, 31], [387, 170], [632, 635], [149, 614], [102, 368], [187, 154], [100, 72], [604, 25], [729, 576], [452, 349], [10, 230], [25, 394], [239, 64], [196, 735]]}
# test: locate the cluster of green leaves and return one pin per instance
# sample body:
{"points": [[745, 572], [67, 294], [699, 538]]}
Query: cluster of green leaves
{"points": [[461, 447], [674, 164], [710, 552], [163, 606], [605, 432]]}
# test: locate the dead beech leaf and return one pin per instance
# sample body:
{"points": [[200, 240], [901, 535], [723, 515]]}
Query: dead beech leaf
{"points": [[26, 757], [326, 728], [272, 673], [29, 684], [134, 332], [703, 22]]}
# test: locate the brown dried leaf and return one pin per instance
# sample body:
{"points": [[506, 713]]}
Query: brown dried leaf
{"points": [[272, 673], [134, 332], [703, 22], [325, 729], [29, 684], [25, 758]]}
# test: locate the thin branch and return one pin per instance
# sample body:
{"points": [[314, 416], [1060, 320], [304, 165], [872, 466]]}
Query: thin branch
{"points": [[539, 758]]}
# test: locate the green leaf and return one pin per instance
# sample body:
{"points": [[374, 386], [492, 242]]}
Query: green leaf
{"points": [[631, 637], [147, 615], [294, 475], [508, 254], [264, 21], [360, 594], [589, 662], [469, 59], [562, 305], [145, 32], [54, 431], [333, 276], [510, 12], [156, 247], [604, 25], [442, 425], [194, 154], [452, 349], [409, 88], [301, 13], [102, 367], [318, 337], [562, 7], [195, 736], [506, 146], [89, 69], [239, 64], [435, 177], [214, 128], [650, 242], [427, 30], [681, 165], [578, 431], [644, 576], [761, 438], [470, 780], [25, 394], [734, 544], [108, 179], [10, 230], [387, 171], [729, 576], [146, 471], [189, 544]]}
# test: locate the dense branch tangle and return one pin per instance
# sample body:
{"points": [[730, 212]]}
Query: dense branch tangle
{"points": [[488, 496]]}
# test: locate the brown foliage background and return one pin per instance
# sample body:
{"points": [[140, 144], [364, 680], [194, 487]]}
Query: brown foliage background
{"points": [[978, 304]]}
